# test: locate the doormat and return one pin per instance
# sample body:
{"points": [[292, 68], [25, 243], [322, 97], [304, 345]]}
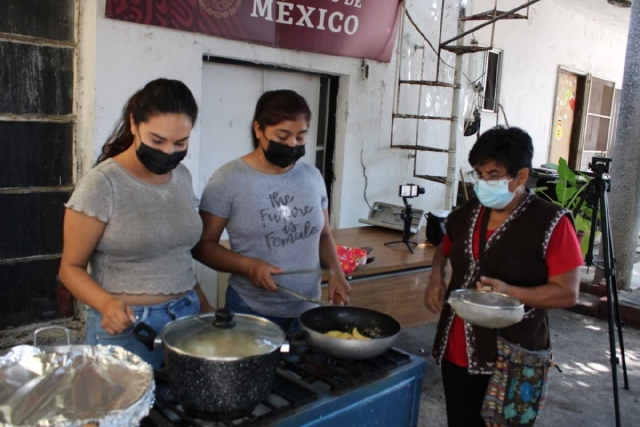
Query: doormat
{"points": [[630, 298]]}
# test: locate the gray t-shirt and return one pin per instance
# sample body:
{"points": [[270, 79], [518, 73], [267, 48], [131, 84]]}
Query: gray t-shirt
{"points": [[150, 229], [275, 218]]}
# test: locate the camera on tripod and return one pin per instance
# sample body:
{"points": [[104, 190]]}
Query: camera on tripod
{"points": [[407, 191], [600, 165], [595, 196], [410, 190]]}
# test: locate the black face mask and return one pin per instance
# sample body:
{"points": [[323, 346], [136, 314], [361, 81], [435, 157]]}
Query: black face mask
{"points": [[282, 155], [157, 161]]}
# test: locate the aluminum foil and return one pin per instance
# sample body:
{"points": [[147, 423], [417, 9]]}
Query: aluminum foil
{"points": [[74, 386]]}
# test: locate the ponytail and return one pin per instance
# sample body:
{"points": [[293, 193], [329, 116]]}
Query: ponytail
{"points": [[161, 96]]}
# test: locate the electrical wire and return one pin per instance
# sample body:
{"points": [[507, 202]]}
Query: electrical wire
{"points": [[472, 83], [477, 91], [427, 40], [364, 174]]}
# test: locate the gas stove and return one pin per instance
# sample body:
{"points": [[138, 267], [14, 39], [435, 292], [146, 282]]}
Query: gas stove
{"points": [[313, 389]]}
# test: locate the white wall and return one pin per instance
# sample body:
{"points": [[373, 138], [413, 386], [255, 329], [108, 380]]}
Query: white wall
{"points": [[129, 55], [585, 35]]}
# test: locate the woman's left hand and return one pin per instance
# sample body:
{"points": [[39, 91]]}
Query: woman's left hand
{"points": [[339, 290], [495, 285]]}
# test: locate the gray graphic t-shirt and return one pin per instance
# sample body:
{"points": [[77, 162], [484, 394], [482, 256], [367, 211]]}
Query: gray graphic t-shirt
{"points": [[275, 218]]}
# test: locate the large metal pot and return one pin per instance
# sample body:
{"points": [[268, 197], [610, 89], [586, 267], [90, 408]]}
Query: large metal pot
{"points": [[381, 328], [221, 363]]}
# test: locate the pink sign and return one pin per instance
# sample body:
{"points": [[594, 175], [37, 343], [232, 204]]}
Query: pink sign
{"points": [[355, 28]]}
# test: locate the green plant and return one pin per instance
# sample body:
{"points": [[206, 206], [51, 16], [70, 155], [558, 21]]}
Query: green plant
{"points": [[568, 188]]}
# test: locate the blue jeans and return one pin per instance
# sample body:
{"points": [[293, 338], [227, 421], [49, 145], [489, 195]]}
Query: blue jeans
{"points": [[234, 302], [155, 316]]}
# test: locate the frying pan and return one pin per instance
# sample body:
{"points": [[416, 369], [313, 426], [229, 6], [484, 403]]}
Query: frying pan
{"points": [[382, 328]]}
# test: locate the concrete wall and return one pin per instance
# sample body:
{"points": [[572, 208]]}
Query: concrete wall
{"points": [[587, 36]]}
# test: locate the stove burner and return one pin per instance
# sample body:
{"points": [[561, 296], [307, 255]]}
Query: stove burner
{"points": [[300, 380], [225, 418]]}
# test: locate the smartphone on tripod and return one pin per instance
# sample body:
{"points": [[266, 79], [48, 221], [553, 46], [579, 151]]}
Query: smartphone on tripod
{"points": [[407, 192]]}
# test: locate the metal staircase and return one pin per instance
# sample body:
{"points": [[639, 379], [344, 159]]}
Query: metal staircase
{"points": [[456, 46]]}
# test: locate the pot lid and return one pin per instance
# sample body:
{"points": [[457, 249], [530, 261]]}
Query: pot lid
{"points": [[223, 335]]}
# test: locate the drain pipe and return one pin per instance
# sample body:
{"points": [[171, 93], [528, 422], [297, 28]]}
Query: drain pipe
{"points": [[456, 114]]}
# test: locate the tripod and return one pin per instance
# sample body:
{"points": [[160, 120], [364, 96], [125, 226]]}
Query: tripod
{"points": [[595, 195], [407, 217]]}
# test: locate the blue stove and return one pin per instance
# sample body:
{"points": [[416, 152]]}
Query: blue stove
{"points": [[314, 390]]}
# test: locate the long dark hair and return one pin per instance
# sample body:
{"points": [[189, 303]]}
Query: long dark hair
{"points": [[275, 107], [161, 96]]}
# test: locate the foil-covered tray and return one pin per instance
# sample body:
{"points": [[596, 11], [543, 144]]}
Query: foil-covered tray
{"points": [[73, 386]]}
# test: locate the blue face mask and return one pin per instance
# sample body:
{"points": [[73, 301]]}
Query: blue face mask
{"points": [[494, 194]]}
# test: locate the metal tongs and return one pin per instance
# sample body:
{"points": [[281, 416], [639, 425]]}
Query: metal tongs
{"points": [[320, 271], [302, 297]]}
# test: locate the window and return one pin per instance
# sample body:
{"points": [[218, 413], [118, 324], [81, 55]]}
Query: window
{"points": [[491, 87], [37, 59]]}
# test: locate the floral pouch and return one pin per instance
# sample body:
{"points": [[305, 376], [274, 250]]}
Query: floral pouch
{"points": [[517, 387]]}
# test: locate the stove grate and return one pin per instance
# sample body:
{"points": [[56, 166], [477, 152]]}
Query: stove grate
{"points": [[300, 380]]}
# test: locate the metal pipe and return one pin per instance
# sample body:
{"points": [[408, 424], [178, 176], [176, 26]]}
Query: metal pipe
{"points": [[452, 162], [419, 117], [396, 104], [491, 21], [415, 161], [439, 40], [398, 83]]}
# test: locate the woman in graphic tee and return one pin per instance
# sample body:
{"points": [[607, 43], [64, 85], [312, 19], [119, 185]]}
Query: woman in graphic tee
{"points": [[274, 209]]}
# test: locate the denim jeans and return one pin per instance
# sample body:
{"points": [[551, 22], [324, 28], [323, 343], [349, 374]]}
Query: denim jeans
{"points": [[155, 316], [234, 302]]}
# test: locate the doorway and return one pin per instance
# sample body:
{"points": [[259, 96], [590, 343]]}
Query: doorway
{"points": [[230, 90], [584, 118], [566, 124]]}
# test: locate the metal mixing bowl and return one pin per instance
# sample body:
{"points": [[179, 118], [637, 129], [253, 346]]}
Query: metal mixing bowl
{"points": [[485, 308]]}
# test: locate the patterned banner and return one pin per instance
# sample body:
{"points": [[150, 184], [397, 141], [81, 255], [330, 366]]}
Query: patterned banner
{"points": [[355, 28]]}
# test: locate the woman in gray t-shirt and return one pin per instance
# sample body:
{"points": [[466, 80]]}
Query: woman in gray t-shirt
{"points": [[275, 212], [133, 219]]}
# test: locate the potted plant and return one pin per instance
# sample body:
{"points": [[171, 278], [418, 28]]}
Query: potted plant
{"points": [[568, 190]]}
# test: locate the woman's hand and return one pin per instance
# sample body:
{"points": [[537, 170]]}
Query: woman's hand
{"points": [[434, 296], [494, 285], [116, 316], [260, 274], [339, 290]]}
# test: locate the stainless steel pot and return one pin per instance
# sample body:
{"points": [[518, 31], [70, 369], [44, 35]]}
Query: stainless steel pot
{"points": [[381, 328], [73, 385], [221, 363]]}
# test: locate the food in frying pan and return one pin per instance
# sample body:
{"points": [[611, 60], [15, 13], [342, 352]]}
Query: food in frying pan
{"points": [[353, 335]]}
